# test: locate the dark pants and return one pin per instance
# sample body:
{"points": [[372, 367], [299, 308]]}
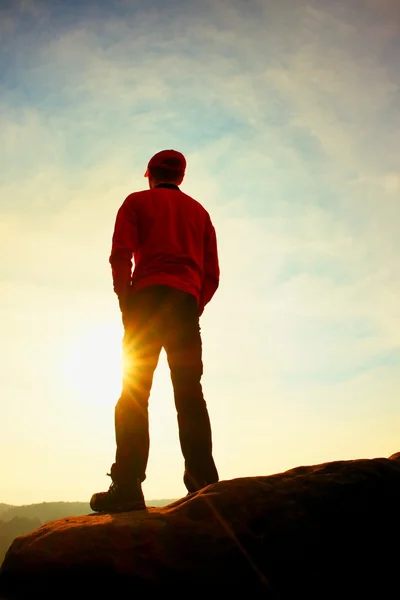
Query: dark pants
{"points": [[162, 317]]}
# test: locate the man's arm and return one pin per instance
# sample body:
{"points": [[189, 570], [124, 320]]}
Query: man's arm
{"points": [[124, 244], [211, 267]]}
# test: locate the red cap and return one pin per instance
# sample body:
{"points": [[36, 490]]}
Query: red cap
{"points": [[168, 159]]}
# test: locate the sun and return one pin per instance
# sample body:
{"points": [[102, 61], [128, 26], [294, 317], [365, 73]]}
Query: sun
{"points": [[91, 365]]}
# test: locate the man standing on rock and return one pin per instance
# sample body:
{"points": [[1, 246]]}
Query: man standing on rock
{"points": [[173, 243]]}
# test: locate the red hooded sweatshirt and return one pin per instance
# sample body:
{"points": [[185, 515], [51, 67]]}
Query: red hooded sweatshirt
{"points": [[172, 240]]}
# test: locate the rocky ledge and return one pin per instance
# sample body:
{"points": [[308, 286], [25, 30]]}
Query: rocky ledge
{"points": [[324, 531]]}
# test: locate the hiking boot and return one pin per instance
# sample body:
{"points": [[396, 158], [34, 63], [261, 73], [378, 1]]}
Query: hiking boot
{"points": [[119, 498]]}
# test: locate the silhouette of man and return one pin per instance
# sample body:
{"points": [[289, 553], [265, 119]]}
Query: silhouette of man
{"points": [[172, 240]]}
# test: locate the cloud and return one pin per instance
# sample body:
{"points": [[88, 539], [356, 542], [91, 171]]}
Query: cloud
{"points": [[279, 158]]}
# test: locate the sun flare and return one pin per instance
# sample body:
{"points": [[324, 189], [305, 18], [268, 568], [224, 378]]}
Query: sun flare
{"points": [[92, 364]]}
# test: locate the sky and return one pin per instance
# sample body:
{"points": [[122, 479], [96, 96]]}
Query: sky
{"points": [[288, 114]]}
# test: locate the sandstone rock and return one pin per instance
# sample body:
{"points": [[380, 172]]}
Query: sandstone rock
{"points": [[323, 531]]}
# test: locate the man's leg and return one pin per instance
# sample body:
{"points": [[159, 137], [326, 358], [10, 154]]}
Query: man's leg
{"points": [[141, 349], [183, 347]]}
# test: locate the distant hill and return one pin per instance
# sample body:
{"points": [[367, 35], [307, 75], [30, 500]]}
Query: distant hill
{"points": [[4, 507], [45, 511], [18, 520], [50, 511]]}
